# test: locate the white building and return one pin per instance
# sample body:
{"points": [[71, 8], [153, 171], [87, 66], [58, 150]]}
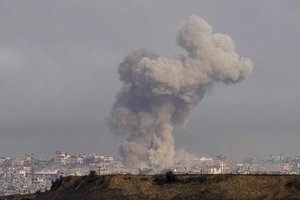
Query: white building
{"points": [[62, 158]]}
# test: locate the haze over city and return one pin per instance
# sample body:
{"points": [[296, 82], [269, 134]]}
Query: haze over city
{"points": [[58, 79]]}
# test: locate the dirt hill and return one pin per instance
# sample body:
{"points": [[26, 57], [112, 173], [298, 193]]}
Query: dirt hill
{"points": [[171, 187]]}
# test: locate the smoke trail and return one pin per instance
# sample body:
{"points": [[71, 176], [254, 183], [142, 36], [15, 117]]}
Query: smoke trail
{"points": [[159, 93]]}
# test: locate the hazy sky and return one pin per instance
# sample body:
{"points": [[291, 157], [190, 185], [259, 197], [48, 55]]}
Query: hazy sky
{"points": [[58, 73]]}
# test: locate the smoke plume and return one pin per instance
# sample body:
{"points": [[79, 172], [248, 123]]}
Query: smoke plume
{"points": [[159, 93]]}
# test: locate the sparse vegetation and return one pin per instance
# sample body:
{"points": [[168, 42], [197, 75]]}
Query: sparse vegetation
{"points": [[92, 173], [171, 177], [170, 186], [161, 179], [168, 177], [91, 177], [56, 184], [293, 184]]}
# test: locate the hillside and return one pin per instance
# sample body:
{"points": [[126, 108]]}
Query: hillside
{"points": [[173, 187]]}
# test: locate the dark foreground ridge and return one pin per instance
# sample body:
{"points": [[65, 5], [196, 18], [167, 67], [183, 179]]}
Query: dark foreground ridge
{"points": [[170, 187]]}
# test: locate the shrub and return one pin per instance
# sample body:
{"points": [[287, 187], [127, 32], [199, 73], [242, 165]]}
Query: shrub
{"points": [[161, 179], [56, 184], [92, 173], [91, 177], [171, 177], [293, 184]]}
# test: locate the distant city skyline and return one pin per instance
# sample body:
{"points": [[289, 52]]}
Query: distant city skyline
{"points": [[58, 74], [29, 174]]}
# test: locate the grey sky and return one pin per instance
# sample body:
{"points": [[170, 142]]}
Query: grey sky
{"points": [[58, 73]]}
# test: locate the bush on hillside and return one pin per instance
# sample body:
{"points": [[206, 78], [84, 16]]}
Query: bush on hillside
{"points": [[56, 184], [91, 177], [293, 184], [168, 177]]}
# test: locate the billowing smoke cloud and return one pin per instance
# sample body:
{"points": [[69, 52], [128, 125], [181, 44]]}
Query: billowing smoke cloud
{"points": [[160, 93]]}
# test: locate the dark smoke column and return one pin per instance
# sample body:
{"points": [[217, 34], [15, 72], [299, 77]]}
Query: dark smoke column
{"points": [[159, 93]]}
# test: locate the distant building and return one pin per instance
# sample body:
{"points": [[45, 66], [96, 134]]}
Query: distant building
{"points": [[17, 162], [62, 158], [76, 160], [108, 159]]}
